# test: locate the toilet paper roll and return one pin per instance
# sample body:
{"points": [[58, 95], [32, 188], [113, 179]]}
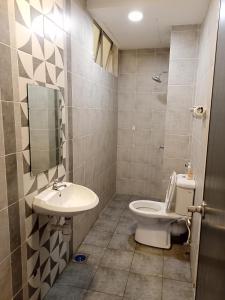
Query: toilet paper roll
{"points": [[199, 112]]}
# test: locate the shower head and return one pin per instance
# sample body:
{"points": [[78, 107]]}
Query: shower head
{"points": [[157, 78]]}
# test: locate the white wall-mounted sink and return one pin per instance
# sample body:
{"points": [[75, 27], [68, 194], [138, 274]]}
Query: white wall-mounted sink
{"points": [[67, 201]]}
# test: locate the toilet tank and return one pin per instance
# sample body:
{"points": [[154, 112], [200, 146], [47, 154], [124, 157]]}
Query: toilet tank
{"points": [[185, 189]]}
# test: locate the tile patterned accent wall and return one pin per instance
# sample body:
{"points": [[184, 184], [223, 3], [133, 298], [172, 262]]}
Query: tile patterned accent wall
{"points": [[204, 83], [94, 113], [181, 92], [33, 50], [142, 108]]}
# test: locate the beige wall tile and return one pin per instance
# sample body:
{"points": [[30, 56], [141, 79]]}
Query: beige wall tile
{"points": [[140, 154], [4, 234], [128, 62], [125, 137], [124, 170], [2, 149], [144, 83], [142, 120], [3, 190], [127, 83], [184, 43], [182, 72], [158, 120], [143, 102], [177, 146], [139, 171], [6, 279], [125, 120], [180, 97], [147, 64], [159, 101], [178, 121], [126, 101], [123, 153], [142, 137]]}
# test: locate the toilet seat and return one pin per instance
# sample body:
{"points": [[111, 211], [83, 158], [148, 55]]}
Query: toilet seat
{"points": [[155, 209], [152, 209]]}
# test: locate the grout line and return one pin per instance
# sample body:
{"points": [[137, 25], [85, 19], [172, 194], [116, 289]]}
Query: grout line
{"points": [[178, 280], [129, 271]]}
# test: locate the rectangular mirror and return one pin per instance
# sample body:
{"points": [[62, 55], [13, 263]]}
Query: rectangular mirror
{"points": [[45, 127]]}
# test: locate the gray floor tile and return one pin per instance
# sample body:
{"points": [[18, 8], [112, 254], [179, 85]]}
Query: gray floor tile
{"points": [[143, 287], [122, 242], [143, 249], [177, 290], [112, 212], [112, 255], [65, 293], [117, 259], [78, 275], [181, 252], [94, 253], [91, 295], [147, 264], [126, 226], [176, 269], [109, 281], [127, 214], [118, 204], [110, 217], [98, 238], [105, 224]]}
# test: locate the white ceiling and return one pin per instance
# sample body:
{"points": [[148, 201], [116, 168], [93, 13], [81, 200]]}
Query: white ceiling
{"points": [[154, 30]]}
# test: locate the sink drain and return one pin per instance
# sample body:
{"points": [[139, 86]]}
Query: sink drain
{"points": [[79, 258]]}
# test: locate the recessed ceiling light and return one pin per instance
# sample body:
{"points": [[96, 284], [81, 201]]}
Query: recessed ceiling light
{"points": [[135, 16]]}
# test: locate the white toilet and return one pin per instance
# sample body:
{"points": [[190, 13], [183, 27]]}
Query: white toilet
{"points": [[158, 220]]}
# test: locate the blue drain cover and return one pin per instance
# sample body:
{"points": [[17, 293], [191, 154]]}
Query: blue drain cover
{"points": [[79, 258]]}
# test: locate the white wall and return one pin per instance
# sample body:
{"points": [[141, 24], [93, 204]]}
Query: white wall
{"points": [[205, 71]]}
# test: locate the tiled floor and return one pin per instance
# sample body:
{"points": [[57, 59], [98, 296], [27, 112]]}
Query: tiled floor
{"points": [[118, 268]]}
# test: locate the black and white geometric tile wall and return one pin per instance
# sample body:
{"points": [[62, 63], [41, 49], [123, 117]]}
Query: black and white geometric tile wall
{"points": [[33, 51], [41, 45]]}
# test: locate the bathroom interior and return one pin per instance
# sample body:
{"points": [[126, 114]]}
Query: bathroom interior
{"points": [[112, 165]]}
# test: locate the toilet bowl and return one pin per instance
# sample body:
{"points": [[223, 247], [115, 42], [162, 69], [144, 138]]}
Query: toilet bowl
{"points": [[155, 219]]}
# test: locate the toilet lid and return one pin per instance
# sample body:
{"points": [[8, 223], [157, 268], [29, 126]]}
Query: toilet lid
{"points": [[170, 191]]}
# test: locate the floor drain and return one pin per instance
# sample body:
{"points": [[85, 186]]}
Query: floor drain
{"points": [[79, 258]]}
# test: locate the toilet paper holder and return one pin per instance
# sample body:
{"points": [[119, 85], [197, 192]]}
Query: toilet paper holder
{"points": [[198, 112]]}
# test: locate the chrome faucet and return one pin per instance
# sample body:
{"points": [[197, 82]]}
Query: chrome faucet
{"points": [[56, 185]]}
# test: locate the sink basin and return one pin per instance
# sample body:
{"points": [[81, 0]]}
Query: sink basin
{"points": [[67, 201]]}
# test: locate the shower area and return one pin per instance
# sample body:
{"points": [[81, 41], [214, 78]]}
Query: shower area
{"points": [[142, 105], [156, 89]]}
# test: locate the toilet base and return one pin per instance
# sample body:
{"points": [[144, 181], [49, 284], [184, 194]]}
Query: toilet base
{"points": [[154, 236]]}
